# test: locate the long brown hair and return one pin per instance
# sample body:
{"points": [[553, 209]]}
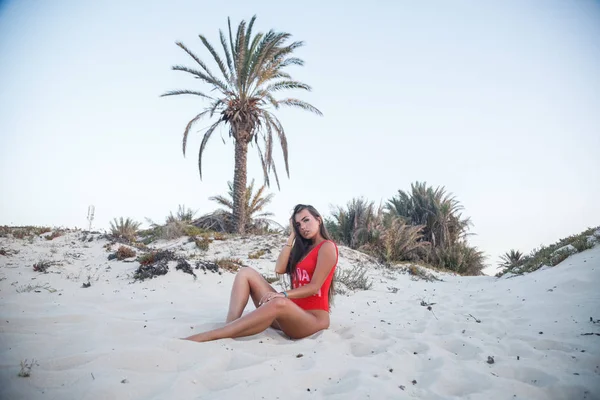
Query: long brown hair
{"points": [[301, 246]]}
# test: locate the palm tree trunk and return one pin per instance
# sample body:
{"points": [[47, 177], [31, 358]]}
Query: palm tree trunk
{"points": [[239, 186]]}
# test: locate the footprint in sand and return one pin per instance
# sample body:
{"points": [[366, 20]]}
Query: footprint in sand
{"points": [[244, 360], [463, 350], [69, 362], [345, 333], [359, 349], [346, 384], [458, 382], [530, 376]]}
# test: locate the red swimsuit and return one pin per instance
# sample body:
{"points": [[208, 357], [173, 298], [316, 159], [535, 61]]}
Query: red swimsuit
{"points": [[304, 273]]}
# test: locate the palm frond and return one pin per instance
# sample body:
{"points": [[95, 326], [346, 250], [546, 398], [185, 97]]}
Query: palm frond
{"points": [[287, 85], [188, 127], [301, 104], [184, 91], [215, 56], [230, 75], [204, 77], [205, 139]]}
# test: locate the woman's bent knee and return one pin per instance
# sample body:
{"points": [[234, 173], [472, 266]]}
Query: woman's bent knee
{"points": [[279, 304], [247, 272]]}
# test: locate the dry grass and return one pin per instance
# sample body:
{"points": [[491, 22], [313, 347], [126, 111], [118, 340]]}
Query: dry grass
{"points": [[26, 368], [355, 278], [125, 252], [419, 273], [219, 236], [257, 254], [20, 232], [229, 264], [35, 288], [43, 265], [54, 235], [203, 243]]}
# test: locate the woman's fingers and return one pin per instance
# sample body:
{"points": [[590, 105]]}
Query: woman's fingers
{"points": [[266, 298]]}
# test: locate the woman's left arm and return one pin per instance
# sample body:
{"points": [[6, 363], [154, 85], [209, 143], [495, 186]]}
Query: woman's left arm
{"points": [[325, 262]]}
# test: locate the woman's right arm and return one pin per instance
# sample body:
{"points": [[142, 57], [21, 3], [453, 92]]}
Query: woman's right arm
{"points": [[284, 255]]}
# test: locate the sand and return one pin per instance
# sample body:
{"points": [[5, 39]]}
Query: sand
{"points": [[119, 338]]}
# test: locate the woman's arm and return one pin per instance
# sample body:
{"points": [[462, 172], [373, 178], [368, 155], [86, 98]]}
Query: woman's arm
{"points": [[284, 255]]}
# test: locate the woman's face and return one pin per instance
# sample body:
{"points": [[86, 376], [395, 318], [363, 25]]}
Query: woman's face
{"points": [[307, 224]]}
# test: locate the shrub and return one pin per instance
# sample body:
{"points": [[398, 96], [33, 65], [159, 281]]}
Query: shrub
{"points": [[54, 235], [183, 215], [398, 242], [355, 278], [203, 243], [559, 257], [173, 230], [460, 258], [191, 230], [126, 229], [554, 254], [256, 255], [419, 273], [230, 264], [156, 256], [354, 225], [150, 235], [20, 232], [26, 368], [42, 266], [582, 243], [125, 252]]}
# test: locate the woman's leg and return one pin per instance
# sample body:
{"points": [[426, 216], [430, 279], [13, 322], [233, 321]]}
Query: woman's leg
{"points": [[247, 283], [294, 321]]}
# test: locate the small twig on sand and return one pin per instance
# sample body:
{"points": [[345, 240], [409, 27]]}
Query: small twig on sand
{"points": [[590, 333], [93, 376], [476, 320], [431, 309]]}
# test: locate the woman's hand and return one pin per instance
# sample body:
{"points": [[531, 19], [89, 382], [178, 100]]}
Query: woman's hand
{"points": [[292, 231], [269, 296]]}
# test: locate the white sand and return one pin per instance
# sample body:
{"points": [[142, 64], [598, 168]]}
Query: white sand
{"points": [[87, 341]]}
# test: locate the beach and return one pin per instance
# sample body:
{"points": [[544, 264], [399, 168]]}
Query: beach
{"points": [[96, 333]]}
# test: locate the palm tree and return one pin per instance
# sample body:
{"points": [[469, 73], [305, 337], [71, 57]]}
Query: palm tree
{"points": [[353, 226], [243, 99], [511, 259], [255, 202], [437, 210]]}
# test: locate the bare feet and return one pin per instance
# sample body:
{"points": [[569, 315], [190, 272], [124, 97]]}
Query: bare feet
{"points": [[200, 337]]}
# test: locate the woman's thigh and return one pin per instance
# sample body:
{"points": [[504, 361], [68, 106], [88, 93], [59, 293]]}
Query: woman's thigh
{"points": [[258, 285], [298, 323], [258, 288]]}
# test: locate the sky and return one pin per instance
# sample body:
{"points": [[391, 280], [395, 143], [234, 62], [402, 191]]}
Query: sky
{"points": [[498, 102]]}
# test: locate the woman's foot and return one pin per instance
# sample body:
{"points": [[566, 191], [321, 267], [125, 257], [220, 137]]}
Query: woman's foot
{"points": [[200, 337]]}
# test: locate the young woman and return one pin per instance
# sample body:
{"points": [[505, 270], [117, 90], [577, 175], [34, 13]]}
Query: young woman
{"points": [[309, 259]]}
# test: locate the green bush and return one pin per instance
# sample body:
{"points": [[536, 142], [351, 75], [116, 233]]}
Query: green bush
{"points": [[124, 228]]}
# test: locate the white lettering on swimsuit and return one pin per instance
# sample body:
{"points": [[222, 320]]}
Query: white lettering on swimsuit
{"points": [[302, 278]]}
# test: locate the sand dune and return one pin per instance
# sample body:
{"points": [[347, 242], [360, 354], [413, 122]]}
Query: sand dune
{"points": [[118, 339]]}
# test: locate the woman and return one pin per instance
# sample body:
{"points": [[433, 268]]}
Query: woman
{"points": [[309, 258]]}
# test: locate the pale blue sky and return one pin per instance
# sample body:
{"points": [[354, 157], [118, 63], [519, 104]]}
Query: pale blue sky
{"points": [[497, 101]]}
